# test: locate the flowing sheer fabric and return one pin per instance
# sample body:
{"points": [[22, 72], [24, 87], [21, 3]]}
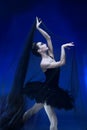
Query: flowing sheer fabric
{"points": [[11, 117]]}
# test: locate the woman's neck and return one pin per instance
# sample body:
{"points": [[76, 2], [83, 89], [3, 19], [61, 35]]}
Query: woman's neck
{"points": [[44, 55]]}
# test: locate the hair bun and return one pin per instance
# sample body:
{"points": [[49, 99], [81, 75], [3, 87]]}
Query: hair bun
{"points": [[35, 49]]}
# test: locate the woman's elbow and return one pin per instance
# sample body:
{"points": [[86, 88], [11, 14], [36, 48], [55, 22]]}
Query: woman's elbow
{"points": [[62, 63]]}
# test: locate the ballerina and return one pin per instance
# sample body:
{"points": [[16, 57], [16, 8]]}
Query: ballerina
{"points": [[48, 94]]}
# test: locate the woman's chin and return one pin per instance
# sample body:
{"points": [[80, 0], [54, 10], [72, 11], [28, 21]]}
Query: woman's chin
{"points": [[47, 48]]}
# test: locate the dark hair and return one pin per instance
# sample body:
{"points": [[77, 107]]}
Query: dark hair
{"points": [[35, 49]]}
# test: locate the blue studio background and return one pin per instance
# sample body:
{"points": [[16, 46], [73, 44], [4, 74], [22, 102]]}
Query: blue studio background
{"points": [[66, 21]]}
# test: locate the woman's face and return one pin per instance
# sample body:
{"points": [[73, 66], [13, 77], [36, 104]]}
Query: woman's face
{"points": [[42, 46]]}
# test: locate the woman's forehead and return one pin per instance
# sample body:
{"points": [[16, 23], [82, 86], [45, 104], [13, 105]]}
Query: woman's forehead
{"points": [[39, 43]]}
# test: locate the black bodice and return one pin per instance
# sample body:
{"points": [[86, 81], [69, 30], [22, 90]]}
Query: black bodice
{"points": [[52, 76]]}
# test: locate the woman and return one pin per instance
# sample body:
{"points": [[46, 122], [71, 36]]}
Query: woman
{"points": [[48, 94]]}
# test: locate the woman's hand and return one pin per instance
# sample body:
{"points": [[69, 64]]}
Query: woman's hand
{"points": [[67, 45], [38, 22]]}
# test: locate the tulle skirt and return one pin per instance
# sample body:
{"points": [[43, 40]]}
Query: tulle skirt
{"points": [[54, 96]]}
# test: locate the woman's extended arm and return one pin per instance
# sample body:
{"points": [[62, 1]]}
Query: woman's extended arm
{"points": [[62, 60], [46, 36]]}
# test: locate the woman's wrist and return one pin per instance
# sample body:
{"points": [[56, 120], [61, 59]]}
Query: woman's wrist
{"points": [[62, 46], [37, 27]]}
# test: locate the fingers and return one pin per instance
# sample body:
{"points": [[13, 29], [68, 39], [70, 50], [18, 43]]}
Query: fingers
{"points": [[70, 44], [36, 17], [38, 20]]}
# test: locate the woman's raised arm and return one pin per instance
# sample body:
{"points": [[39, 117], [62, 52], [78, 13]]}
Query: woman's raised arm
{"points": [[46, 36]]}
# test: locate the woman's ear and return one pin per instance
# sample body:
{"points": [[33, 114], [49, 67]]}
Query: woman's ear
{"points": [[39, 50]]}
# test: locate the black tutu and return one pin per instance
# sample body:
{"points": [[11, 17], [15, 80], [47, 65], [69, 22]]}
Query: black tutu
{"points": [[49, 91]]}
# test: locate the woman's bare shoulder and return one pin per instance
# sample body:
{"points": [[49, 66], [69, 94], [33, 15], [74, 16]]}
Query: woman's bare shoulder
{"points": [[45, 64]]}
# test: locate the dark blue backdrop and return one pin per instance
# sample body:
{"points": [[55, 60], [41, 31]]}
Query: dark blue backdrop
{"points": [[66, 19]]}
